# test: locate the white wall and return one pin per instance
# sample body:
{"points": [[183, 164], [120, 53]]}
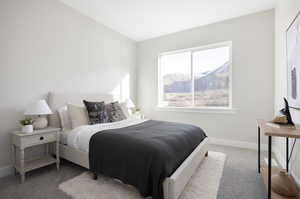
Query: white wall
{"points": [[286, 11], [47, 46], [253, 74]]}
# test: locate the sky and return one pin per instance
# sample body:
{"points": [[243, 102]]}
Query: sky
{"points": [[203, 61]]}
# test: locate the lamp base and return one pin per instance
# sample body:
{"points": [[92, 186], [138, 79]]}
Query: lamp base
{"points": [[40, 123]]}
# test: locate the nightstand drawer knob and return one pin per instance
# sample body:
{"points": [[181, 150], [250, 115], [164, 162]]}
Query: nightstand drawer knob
{"points": [[41, 138]]}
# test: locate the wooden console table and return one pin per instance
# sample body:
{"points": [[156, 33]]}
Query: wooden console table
{"points": [[271, 131]]}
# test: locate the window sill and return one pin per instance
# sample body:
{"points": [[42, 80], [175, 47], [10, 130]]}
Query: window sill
{"points": [[198, 110]]}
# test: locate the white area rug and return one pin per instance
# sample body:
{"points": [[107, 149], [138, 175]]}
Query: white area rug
{"points": [[204, 184]]}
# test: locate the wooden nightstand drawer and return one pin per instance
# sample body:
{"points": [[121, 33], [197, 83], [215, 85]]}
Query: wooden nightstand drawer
{"points": [[38, 139]]}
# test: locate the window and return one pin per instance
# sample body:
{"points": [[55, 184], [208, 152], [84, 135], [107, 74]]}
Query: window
{"points": [[196, 78]]}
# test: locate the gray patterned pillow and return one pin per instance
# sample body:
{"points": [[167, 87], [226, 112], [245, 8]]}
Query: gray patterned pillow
{"points": [[96, 112], [115, 112]]}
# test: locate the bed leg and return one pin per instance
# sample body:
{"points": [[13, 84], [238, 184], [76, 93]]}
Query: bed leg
{"points": [[206, 154], [95, 176]]}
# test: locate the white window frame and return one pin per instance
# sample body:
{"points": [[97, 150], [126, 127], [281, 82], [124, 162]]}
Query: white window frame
{"points": [[162, 107]]}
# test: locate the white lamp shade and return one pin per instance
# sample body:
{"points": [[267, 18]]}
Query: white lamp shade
{"points": [[39, 108], [129, 103]]}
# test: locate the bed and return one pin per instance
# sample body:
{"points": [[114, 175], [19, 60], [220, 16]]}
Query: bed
{"points": [[172, 185]]}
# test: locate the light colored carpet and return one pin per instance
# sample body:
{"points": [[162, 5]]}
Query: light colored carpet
{"points": [[204, 183]]}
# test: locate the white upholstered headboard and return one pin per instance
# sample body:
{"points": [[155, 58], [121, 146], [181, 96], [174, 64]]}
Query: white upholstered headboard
{"points": [[57, 100]]}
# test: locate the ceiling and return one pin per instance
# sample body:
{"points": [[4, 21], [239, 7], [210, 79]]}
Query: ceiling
{"points": [[144, 19]]}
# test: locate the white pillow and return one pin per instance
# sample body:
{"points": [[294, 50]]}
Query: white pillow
{"points": [[64, 118], [125, 110], [78, 115]]}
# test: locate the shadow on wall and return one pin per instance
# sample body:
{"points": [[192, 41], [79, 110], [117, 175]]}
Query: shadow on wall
{"points": [[122, 91]]}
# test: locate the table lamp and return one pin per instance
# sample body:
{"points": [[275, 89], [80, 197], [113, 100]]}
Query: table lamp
{"points": [[129, 103], [40, 109]]}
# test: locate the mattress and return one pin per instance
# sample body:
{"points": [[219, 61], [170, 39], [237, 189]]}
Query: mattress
{"points": [[64, 136], [79, 137]]}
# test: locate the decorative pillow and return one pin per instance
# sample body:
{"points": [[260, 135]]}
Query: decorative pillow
{"points": [[64, 118], [115, 112], [78, 115], [96, 112], [127, 112]]}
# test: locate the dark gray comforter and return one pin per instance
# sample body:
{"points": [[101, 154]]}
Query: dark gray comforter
{"points": [[143, 155]]}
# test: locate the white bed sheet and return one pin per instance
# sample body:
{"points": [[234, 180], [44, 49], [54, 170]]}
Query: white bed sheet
{"points": [[79, 137]]}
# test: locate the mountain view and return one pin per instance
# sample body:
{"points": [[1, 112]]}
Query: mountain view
{"points": [[211, 88]]}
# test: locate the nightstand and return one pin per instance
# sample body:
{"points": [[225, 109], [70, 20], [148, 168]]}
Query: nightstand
{"points": [[20, 141]]}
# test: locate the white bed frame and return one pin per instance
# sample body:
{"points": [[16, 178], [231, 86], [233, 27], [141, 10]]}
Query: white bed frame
{"points": [[172, 186]]}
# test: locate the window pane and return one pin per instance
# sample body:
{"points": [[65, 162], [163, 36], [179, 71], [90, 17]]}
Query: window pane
{"points": [[176, 79], [211, 77]]}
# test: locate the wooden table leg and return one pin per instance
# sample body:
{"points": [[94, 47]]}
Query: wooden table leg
{"points": [[287, 154], [95, 176], [22, 169], [258, 135], [57, 154], [13, 158], [269, 166]]}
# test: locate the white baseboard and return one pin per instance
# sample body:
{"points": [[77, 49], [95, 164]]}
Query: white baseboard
{"points": [[250, 145], [6, 171], [236, 143]]}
